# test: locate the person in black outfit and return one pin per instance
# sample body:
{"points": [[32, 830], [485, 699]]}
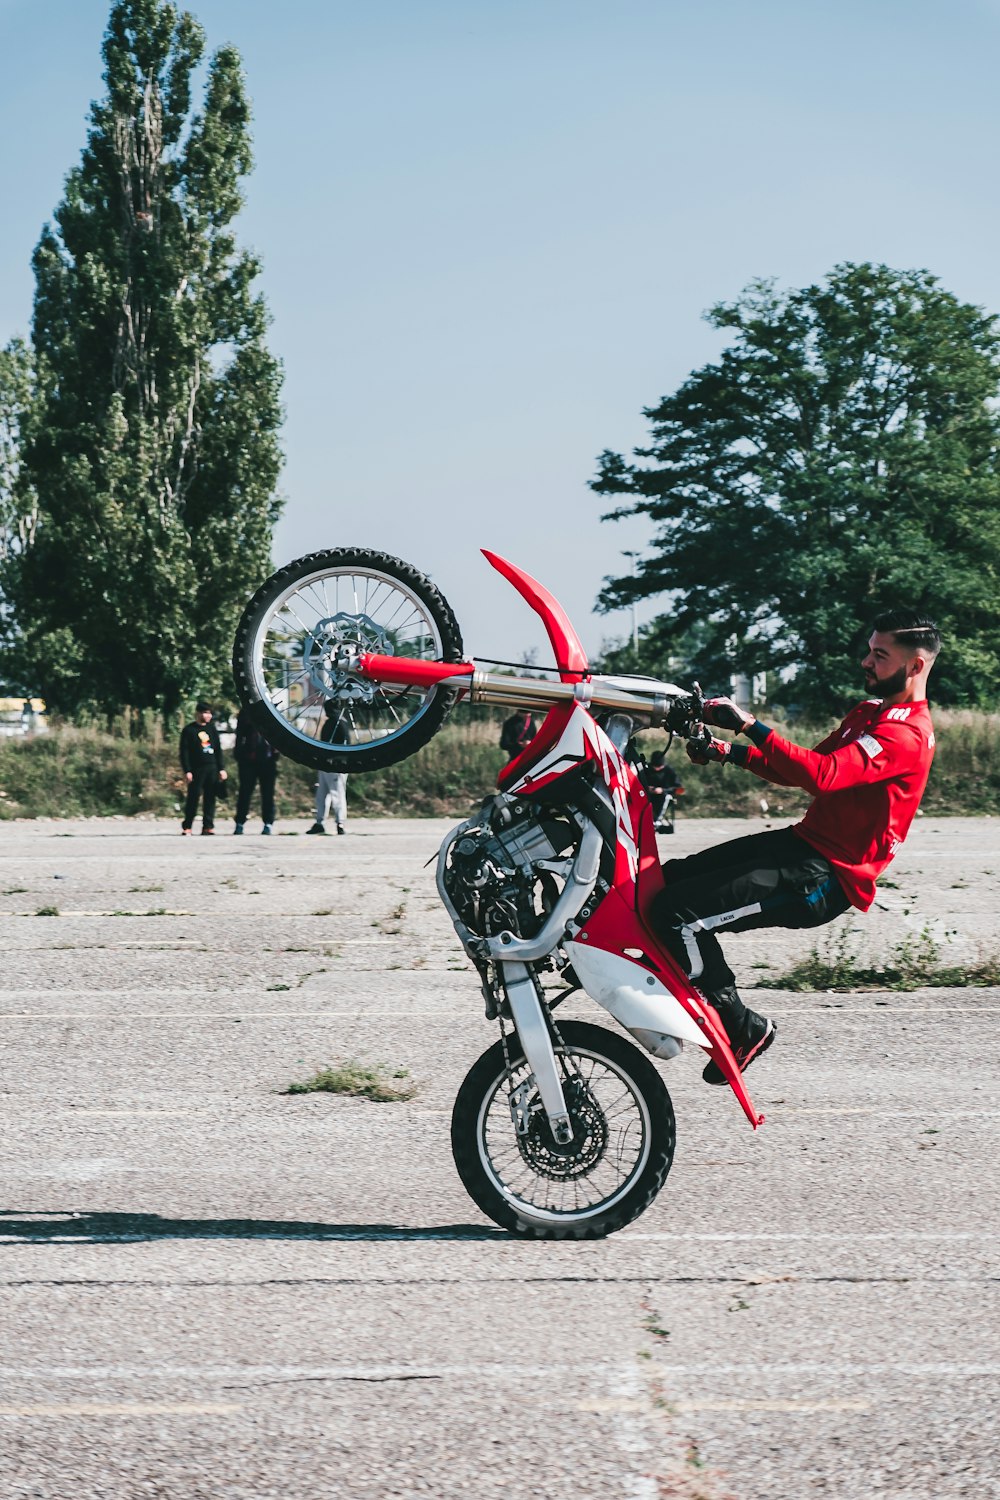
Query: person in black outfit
{"points": [[661, 778], [256, 761], [203, 767], [517, 733]]}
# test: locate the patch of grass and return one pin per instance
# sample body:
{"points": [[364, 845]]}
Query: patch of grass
{"points": [[281, 987], [909, 966], [47, 911], [359, 1081]]}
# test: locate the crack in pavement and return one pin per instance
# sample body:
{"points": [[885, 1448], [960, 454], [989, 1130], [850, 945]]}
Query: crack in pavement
{"points": [[758, 1281]]}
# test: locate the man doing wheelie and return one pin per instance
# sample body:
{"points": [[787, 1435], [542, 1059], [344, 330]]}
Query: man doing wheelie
{"points": [[867, 779]]}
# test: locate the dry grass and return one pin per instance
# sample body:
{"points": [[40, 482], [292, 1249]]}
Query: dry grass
{"points": [[912, 965]]}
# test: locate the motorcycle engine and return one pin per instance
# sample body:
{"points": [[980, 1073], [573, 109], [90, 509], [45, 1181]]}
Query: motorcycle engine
{"points": [[496, 875]]}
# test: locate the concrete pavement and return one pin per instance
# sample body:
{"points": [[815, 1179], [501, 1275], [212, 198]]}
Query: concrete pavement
{"points": [[212, 1289]]}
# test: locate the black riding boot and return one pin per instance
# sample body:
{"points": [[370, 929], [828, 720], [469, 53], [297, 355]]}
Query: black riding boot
{"points": [[749, 1034]]}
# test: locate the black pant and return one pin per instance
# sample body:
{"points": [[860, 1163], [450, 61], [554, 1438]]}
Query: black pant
{"points": [[204, 780], [250, 773], [772, 879]]}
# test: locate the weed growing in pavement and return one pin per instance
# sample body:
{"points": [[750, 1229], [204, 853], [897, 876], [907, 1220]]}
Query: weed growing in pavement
{"points": [[279, 986], [47, 911], [909, 966], [651, 1320], [693, 1455], [360, 1081]]}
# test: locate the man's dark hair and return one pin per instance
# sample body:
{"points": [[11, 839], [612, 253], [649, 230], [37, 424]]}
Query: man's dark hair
{"points": [[910, 629], [201, 707]]}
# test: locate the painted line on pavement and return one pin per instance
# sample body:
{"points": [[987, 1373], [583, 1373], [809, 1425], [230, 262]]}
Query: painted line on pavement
{"points": [[500, 1371], [886, 1112], [624, 1404], [245, 1015], [125, 1409], [903, 1236], [750, 1404]]}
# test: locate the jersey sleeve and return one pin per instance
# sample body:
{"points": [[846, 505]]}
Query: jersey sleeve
{"points": [[753, 760], [832, 740], [876, 755]]}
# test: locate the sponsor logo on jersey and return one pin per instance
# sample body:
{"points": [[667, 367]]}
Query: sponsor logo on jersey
{"points": [[898, 713], [869, 745], [931, 742]]}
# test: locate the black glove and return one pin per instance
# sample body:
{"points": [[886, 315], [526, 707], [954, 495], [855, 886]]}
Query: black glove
{"points": [[701, 751], [724, 713]]}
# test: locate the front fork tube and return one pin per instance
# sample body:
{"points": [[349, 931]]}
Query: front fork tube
{"points": [[535, 1037]]}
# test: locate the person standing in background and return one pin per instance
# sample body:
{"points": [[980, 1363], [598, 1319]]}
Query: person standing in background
{"points": [[331, 786], [661, 779], [256, 761], [517, 733], [203, 767]]}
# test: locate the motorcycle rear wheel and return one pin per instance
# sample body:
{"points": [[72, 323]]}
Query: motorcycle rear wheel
{"points": [[289, 683], [524, 1183]]}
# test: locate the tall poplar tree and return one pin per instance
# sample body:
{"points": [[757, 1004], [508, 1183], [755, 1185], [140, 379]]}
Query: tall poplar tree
{"points": [[18, 503], [153, 448]]}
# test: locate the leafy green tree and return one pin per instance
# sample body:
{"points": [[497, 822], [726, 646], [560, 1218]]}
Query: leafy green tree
{"points": [[153, 448], [842, 455]]}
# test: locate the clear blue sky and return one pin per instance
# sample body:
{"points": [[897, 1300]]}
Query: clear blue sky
{"points": [[489, 229]]}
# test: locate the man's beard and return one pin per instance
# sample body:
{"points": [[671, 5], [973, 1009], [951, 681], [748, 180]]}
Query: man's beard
{"points": [[887, 687]]}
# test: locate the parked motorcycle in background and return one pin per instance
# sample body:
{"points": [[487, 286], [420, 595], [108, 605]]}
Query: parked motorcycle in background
{"points": [[561, 1129]]}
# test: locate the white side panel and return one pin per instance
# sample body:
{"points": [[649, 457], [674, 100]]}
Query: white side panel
{"points": [[568, 748], [634, 997]]}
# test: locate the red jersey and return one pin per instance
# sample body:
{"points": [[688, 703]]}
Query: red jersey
{"points": [[867, 777]]}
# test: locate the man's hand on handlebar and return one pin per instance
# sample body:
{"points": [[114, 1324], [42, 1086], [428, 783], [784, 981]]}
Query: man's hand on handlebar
{"points": [[725, 714], [705, 747]]}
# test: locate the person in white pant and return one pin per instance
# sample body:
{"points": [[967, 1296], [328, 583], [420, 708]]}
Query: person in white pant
{"points": [[331, 786]]}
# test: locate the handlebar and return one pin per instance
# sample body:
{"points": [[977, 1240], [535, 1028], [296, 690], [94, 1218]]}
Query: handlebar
{"points": [[657, 703]]}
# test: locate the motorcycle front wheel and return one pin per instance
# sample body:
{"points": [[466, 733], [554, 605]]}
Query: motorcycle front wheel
{"points": [[616, 1163], [304, 620]]}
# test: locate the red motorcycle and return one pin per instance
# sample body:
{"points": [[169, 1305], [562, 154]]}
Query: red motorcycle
{"points": [[561, 1129]]}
